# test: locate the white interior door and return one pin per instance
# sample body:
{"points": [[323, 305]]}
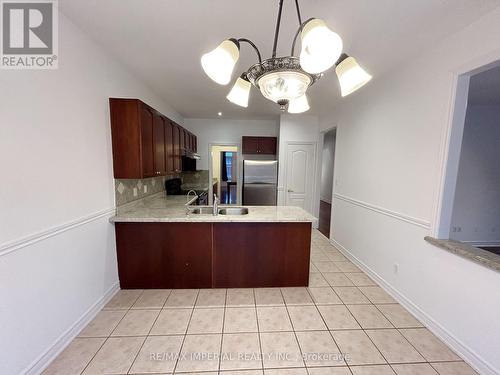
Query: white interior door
{"points": [[300, 161]]}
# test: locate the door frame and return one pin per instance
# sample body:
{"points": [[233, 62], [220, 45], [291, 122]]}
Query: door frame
{"points": [[320, 168], [315, 197], [239, 180]]}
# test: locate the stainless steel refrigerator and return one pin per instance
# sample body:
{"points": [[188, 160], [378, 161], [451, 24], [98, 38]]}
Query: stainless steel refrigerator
{"points": [[260, 182]]}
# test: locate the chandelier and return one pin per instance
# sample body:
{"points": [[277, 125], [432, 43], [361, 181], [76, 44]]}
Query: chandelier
{"points": [[285, 80]]}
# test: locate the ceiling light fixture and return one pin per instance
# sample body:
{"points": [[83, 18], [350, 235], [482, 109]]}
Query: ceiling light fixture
{"points": [[285, 80]]}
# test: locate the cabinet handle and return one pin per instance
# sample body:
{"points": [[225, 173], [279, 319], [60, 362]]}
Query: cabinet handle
{"points": [[290, 190]]}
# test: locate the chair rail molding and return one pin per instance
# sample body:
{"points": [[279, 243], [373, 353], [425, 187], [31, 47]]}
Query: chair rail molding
{"points": [[384, 211], [31, 239]]}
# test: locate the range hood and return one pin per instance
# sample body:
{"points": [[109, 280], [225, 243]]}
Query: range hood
{"points": [[191, 155]]}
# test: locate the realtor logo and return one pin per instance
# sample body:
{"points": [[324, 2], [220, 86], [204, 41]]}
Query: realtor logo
{"points": [[29, 34]]}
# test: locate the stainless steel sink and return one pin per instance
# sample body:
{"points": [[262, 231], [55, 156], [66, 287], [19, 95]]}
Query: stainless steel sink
{"points": [[201, 211], [233, 211]]}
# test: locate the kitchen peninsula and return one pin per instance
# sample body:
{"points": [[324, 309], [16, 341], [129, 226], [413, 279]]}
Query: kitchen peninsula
{"points": [[160, 246]]}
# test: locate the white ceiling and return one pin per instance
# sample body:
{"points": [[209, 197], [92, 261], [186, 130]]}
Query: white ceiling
{"points": [[162, 40], [484, 88]]}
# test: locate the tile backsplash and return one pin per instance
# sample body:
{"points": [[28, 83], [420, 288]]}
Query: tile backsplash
{"points": [[130, 190]]}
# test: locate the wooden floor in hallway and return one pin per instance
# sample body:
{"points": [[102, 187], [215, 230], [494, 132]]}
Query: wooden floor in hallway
{"points": [[325, 211]]}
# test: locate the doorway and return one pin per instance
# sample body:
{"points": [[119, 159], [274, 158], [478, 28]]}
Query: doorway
{"points": [[300, 173], [224, 170], [470, 208], [326, 181]]}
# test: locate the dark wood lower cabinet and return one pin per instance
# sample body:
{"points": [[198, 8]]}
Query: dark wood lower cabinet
{"points": [[213, 255]]}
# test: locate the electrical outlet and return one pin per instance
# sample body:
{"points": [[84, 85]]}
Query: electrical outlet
{"points": [[145, 188], [135, 192]]}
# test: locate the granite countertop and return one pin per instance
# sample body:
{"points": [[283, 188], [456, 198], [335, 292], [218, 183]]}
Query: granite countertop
{"points": [[162, 208], [464, 250]]}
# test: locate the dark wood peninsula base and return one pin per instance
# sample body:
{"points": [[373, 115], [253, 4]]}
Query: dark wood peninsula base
{"points": [[168, 255]]}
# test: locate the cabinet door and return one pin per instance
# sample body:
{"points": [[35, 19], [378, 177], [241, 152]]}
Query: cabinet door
{"points": [[159, 145], [267, 145], [250, 145], [148, 168], [177, 147], [169, 146]]}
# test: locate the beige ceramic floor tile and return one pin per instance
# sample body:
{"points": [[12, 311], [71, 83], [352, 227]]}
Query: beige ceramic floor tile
{"points": [[372, 370], [287, 371], [136, 323], [357, 348], [157, 355], [103, 324], [115, 356], [347, 267], [324, 296], [329, 371], [327, 266], [75, 357], [336, 257], [152, 299], [306, 318], [240, 351], [338, 317], [368, 316], [123, 300], [206, 321], [239, 372], [273, 318], [297, 296], [319, 349], [414, 369], [280, 349], [398, 316], [316, 279], [394, 346], [337, 279], [360, 279], [319, 256], [240, 297], [351, 295], [429, 345], [312, 269], [211, 298], [181, 298], [268, 297], [194, 347], [240, 319], [453, 368], [172, 322], [376, 294]]}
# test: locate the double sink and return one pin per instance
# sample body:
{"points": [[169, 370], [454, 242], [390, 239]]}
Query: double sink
{"points": [[208, 210]]}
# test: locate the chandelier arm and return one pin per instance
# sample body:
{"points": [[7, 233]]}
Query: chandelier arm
{"points": [[253, 45], [297, 34], [277, 31], [298, 13]]}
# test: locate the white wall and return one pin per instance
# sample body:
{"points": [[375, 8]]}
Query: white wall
{"points": [[299, 128], [222, 131], [57, 248], [389, 151], [476, 210], [327, 164]]}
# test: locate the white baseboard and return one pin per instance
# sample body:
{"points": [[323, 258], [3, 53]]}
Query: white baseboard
{"points": [[41, 363], [469, 355]]}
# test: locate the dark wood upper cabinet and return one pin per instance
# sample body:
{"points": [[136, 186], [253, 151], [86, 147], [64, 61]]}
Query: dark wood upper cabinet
{"points": [[145, 143], [259, 145], [159, 145], [169, 146]]}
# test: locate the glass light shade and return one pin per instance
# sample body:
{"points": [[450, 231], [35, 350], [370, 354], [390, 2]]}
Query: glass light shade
{"points": [[351, 76], [321, 47], [284, 85], [298, 105], [219, 63], [240, 92]]}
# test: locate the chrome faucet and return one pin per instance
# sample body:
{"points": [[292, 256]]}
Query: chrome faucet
{"points": [[215, 211], [189, 201]]}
